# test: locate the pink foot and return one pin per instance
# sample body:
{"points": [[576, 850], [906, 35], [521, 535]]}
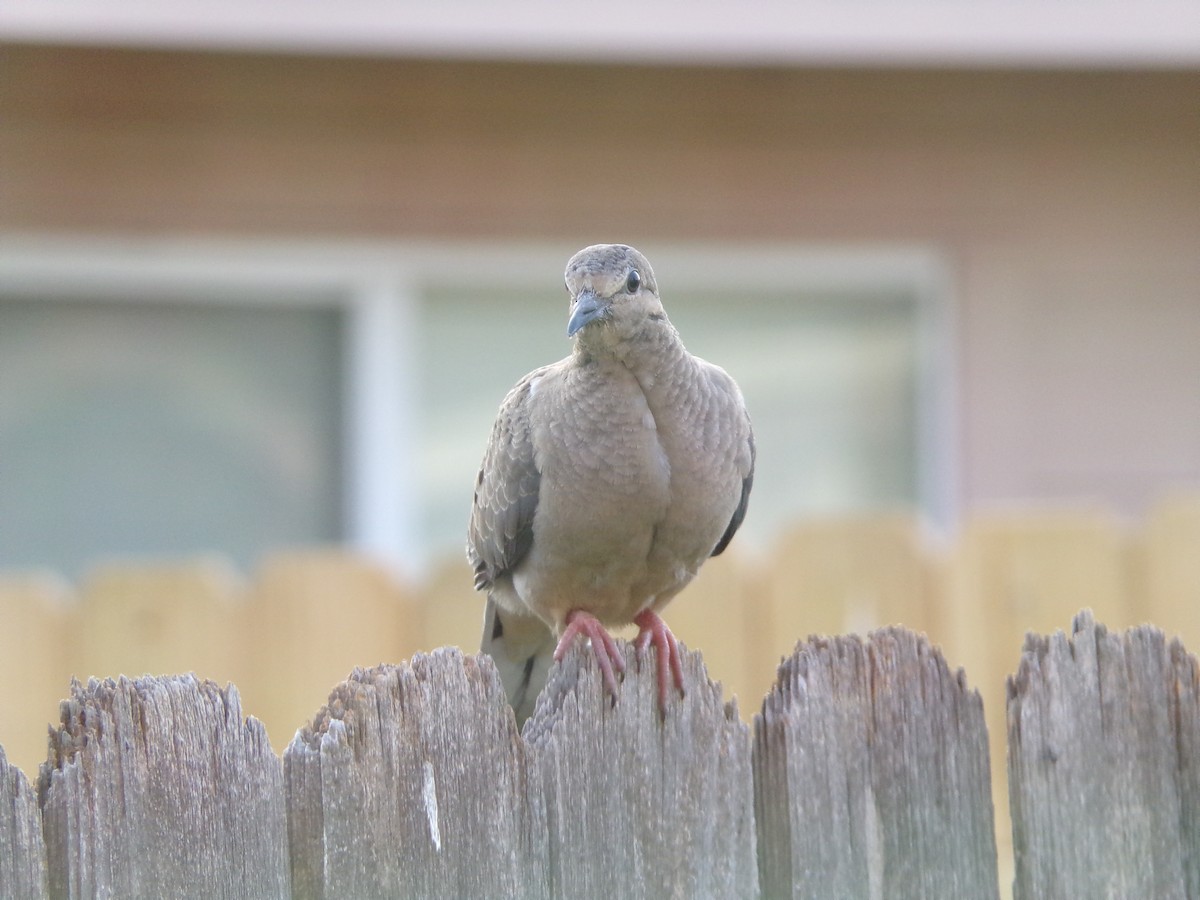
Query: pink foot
{"points": [[604, 648], [653, 630]]}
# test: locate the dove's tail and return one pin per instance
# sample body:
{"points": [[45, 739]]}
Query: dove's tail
{"points": [[523, 649]]}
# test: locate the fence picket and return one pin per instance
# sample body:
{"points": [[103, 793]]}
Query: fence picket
{"points": [[157, 788], [35, 618], [22, 850], [700, 617], [853, 573], [452, 610], [154, 618], [413, 782], [1169, 572], [871, 775], [1104, 774], [315, 616], [642, 803]]}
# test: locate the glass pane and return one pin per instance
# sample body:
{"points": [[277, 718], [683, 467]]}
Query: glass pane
{"points": [[159, 430], [830, 381], [462, 387], [831, 385]]}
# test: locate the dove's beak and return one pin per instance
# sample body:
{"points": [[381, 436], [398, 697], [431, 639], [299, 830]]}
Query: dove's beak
{"points": [[588, 308]]}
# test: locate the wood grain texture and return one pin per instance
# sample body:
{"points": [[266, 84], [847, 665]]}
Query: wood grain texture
{"points": [[867, 777], [871, 774], [413, 782], [22, 850], [156, 787], [641, 804], [1104, 765]]}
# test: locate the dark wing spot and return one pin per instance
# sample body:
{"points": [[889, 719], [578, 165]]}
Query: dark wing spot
{"points": [[740, 513]]}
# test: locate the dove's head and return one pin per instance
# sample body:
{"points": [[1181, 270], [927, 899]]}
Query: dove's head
{"points": [[613, 294]]}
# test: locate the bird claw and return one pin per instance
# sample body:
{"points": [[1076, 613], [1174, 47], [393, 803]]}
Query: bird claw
{"points": [[604, 647], [653, 630]]}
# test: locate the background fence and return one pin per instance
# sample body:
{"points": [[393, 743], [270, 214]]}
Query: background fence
{"points": [[304, 620]]}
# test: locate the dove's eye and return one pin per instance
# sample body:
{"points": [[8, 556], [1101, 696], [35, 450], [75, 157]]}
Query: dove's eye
{"points": [[633, 281]]}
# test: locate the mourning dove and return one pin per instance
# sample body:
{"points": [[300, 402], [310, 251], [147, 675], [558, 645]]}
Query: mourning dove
{"points": [[610, 477]]}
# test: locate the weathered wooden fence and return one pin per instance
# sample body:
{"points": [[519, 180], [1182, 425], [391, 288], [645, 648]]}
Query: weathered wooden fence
{"points": [[866, 775]]}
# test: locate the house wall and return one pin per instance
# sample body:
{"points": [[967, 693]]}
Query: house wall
{"points": [[1066, 203]]}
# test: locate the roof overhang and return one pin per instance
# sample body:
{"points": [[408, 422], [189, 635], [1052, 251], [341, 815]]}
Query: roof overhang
{"points": [[1019, 33]]}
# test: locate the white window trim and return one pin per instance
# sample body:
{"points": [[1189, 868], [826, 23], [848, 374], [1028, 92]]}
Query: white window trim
{"points": [[378, 285]]}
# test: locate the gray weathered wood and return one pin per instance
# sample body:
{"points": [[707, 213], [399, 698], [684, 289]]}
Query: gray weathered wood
{"points": [[157, 788], [1104, 766], [642, 804], [871, 775], [413, 782], [1184, 698], [22, 851], [869, 779]]}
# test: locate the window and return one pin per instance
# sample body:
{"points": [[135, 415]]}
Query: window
{"points": [[162, 429], [165, 400]]}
